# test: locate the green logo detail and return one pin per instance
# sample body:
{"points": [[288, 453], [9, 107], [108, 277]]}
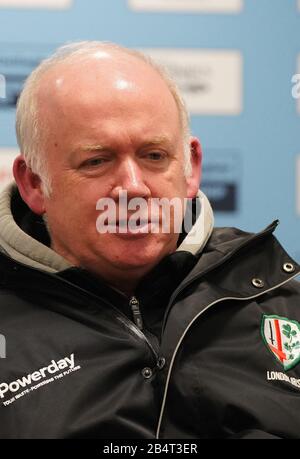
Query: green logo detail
{"points": [[282, 338]]}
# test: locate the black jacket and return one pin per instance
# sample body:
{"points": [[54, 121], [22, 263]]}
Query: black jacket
{"points": [[77, 365]]}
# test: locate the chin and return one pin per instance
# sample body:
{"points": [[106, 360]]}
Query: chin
{"points": [[134, 262], [138, 259]]}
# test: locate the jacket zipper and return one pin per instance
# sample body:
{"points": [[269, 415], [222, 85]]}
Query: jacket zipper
{"points": [[189, 326], [136, 312], [138, 320], [135, 326], [120, 316]]}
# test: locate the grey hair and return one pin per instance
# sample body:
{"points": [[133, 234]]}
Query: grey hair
{"points": [[29, 127]]}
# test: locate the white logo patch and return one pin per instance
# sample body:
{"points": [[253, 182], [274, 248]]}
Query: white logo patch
{"points": [[282, 338]]}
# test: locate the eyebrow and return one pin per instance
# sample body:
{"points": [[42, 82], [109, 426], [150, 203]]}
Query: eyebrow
{"points": [[91, 148], [157, 140], [85, 148]]}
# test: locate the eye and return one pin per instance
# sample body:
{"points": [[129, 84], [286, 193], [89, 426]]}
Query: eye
{"points": [[155, 156], [94, 162]]}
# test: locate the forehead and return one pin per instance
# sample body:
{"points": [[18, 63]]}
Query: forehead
{"points": [[107, 85]]}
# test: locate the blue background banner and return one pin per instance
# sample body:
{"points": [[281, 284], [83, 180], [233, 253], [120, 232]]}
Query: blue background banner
{"points": [[246, 117]]}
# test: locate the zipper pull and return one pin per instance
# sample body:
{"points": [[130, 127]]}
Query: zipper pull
{"points": [[137, 316]]}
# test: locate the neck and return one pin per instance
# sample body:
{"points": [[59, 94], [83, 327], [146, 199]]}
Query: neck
{"points": [[125, 281], [123, 277]]}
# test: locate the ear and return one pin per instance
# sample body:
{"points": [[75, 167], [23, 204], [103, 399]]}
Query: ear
{"points": [[29, 185], [193, 181]]}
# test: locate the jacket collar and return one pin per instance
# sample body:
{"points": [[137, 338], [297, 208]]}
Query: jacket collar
{"points": [[230, 263], [17, 225]]}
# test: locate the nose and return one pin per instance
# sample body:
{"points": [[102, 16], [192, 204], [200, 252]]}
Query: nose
{"points": [[129, 177]]}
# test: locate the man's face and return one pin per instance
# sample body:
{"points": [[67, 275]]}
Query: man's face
{"points": [[112, 125]]}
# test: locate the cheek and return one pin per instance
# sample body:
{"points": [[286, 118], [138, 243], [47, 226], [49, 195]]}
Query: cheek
{"points": [[73, 210], [172, 183], [71, 192], [175, 186]]}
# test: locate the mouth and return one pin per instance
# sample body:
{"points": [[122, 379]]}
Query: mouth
{"points": [[136, 227], [139, 222]]}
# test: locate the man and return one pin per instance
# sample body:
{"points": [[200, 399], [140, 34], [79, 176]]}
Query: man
{"points": [[118, 332]]}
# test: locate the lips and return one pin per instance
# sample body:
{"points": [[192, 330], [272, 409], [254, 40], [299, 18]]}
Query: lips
{"points": [[135, 227], [133, 222]]}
